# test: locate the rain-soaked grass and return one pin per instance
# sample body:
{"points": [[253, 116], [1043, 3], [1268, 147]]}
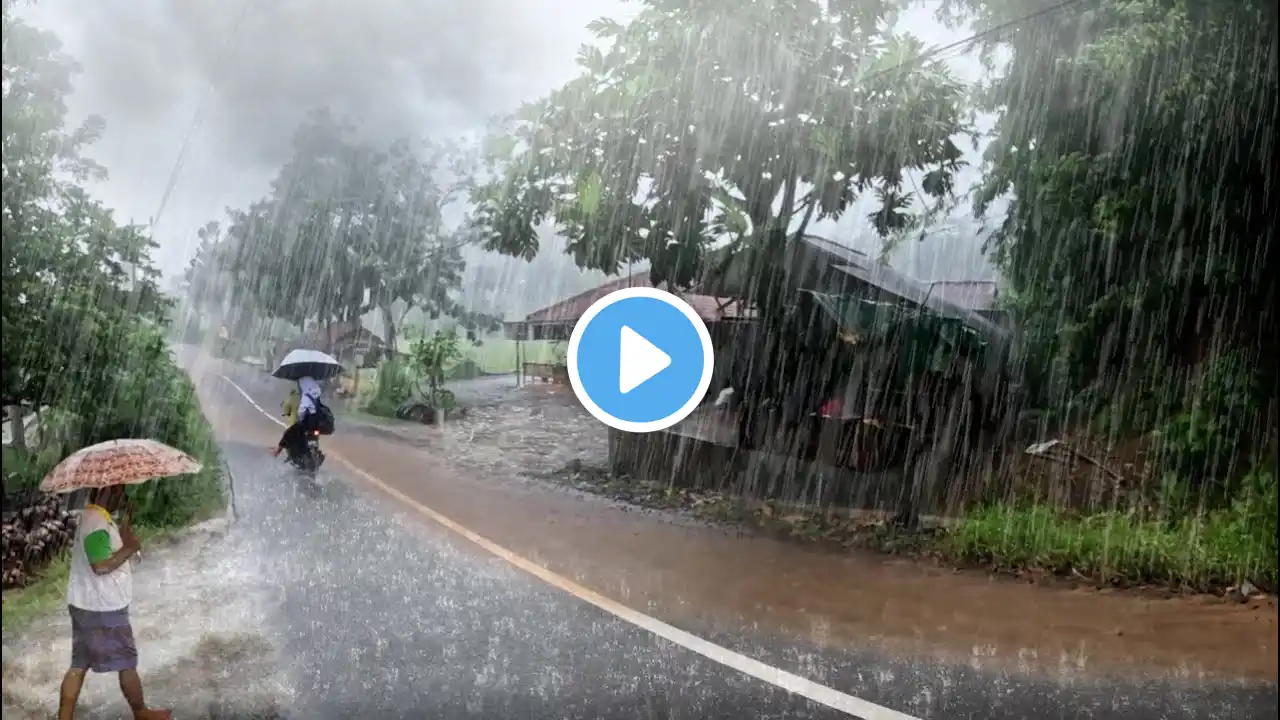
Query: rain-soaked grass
{"points": [[1204, 552], [40, 597], [48, 591]]}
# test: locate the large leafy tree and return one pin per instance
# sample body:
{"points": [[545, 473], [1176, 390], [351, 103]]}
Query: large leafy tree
{"points": [[1136, 140], [205, 282], [700, 136], [349, 228], [723, 120], [82, 319], [75, 283]]}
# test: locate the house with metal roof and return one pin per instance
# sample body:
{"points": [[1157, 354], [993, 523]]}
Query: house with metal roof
{"points": [[555, 322]]}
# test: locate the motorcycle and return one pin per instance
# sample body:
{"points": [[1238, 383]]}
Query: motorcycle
{"points": [[320, 367], [309, 461]]}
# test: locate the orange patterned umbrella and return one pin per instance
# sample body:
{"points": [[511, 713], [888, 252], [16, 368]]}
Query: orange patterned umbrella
{"points": [[118, 462]]}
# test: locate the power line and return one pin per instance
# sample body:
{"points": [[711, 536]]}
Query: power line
{"points": [[197, 121], [937, 52], [976, 37]]}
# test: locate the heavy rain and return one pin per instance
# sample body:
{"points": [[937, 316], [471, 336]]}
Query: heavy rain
{"points": [[987, 424]]}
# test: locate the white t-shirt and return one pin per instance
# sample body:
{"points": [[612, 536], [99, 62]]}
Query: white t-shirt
{"points": [[86, 589]]}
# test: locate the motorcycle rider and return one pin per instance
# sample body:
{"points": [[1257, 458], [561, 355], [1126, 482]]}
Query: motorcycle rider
{"points": [[294, 438]]}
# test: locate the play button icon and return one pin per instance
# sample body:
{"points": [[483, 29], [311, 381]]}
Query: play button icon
{"points": [[640, 359]]}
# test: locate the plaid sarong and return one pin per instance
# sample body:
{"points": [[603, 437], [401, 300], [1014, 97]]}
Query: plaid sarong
{"points": [[102, 641]]}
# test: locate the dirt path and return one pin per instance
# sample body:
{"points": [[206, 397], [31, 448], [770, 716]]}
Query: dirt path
{"points": [[715, 580]]}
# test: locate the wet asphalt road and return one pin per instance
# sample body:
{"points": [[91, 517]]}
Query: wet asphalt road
{"points": [[378, 620], [380, 617]]}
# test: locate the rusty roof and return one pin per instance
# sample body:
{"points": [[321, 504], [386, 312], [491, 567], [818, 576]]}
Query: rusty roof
{"points": [[570, 309]]}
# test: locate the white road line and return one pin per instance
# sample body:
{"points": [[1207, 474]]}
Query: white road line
{"points": [[791, 682]]}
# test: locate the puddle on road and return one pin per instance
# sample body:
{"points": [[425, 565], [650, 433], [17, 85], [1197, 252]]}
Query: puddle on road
{"points": [[199, 619]]}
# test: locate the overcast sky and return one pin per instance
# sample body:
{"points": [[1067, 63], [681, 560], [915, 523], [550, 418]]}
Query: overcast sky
{"points": [[426, 68]]}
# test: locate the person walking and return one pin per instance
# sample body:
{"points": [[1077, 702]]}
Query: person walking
{"points": [[99, 592]]}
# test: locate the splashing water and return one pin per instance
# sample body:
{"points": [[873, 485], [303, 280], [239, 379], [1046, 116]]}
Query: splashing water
{"points": [[199, 619]]}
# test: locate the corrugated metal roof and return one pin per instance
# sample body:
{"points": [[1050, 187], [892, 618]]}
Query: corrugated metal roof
{"points": [[570, 309], [977, 295], [918, 293]]}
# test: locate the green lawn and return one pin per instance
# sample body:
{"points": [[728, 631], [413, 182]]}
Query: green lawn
{"points": [[498, 356], [495, 356]]}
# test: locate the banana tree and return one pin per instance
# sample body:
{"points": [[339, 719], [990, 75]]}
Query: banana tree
{"points": [[432, 356]]}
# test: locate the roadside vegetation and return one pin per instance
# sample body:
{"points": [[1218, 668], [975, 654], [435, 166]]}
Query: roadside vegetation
{"points": [[85, 330], [1124, 177], [1123, 193]]}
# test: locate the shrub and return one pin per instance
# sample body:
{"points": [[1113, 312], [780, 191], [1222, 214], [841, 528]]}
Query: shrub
{"points": [[394, 385], [145, 394]]}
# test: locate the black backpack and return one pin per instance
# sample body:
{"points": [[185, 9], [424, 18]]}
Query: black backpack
{"points": [[324, 420]]}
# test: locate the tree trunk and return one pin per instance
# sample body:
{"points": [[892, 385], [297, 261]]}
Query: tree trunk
{"points": [[389, 327], [18, 426]]}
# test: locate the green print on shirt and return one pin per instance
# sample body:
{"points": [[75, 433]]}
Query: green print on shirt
{"points": [[97, 545]]}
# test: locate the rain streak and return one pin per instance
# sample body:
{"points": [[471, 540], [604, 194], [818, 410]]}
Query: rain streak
{"points": [[324, 397]]}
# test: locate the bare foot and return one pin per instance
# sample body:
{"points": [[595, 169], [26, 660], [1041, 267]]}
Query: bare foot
{"points": [[153, 714]]}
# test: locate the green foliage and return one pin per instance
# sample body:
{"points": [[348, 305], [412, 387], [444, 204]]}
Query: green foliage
{"points": [[1202, 552], [85, 325], [394, 387], [1213, 428], [713, 121], [1134, 140], [347, 228], [149, 396], [433, 357], [75, 282]]}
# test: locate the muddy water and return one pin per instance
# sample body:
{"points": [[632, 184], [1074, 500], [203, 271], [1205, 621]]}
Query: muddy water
{"points": [[199, 618], [509, 432], [720, 583], [476, 471]]}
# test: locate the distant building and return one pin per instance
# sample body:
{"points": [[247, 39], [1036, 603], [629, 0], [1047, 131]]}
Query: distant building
{"points": [[555, 322], [346, 341]]}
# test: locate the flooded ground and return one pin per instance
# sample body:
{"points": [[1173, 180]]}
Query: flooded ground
{"points": [[935, 643], [509, 431], [482, 470], [200, 619]]}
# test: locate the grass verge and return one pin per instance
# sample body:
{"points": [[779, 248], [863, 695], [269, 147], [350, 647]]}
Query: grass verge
{"points": [[48, 592], [1202, 553]]}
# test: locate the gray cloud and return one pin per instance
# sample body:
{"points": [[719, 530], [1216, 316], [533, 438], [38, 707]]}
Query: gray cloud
{"points": [[425, 69], [401, 67]]}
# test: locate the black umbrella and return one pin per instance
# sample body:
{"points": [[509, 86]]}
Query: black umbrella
{"points": [[307, 363]]}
